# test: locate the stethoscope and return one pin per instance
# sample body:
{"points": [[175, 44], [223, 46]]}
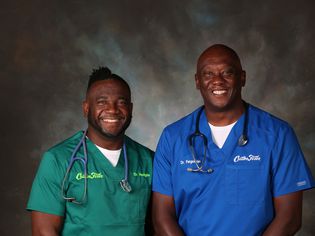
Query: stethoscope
{"points": [[82, 143], [242, 141]]}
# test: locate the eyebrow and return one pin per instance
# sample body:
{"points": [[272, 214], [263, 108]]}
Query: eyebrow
{"points": [[106, 97], [228, 67]]}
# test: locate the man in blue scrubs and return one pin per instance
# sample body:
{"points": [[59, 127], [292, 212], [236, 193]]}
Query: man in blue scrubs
{"points": [[228, 168]]}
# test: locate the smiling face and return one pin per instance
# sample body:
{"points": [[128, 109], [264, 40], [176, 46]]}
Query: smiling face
{"points": [[108, 109], [220, 79]]}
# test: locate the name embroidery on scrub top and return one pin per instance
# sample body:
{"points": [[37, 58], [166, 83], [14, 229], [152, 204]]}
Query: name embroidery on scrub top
{"points": [[145, 175], [190, 162]]}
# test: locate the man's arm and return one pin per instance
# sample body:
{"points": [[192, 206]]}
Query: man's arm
{"points": [[46, 224], [164, 216], [148, 227], [288, 215]]}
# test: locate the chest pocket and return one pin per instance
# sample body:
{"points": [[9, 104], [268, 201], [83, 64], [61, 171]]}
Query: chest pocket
{"points": [[245, 184], [124, 207]]}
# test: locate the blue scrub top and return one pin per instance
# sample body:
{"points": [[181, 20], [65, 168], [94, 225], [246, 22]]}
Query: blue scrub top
{"points": [[237, 198]]}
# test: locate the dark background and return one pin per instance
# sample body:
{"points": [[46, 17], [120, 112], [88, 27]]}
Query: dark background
{"points": [[48, 49]]}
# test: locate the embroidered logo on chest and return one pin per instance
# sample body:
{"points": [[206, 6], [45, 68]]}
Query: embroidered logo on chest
{"points": [[92, 175], [250, 157]]}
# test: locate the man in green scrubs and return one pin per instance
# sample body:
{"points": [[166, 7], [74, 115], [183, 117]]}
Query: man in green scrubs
{"points": [[74, 202]]}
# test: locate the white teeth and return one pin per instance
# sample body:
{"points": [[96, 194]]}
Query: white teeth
{"points": [[219, 92], [110, 120]]}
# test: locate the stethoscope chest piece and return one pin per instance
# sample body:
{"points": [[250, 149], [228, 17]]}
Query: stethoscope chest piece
{"points": [[124, 184], [243, 140]]}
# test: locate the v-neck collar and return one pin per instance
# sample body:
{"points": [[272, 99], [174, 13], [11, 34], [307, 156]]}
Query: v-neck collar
{"points": [[115, 172], [230, 143]]}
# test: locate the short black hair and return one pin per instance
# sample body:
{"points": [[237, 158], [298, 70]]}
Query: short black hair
{"points": [[104, 73]]}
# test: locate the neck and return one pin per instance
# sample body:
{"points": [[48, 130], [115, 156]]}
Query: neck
{"points": [[113, 143], [224, 117]]}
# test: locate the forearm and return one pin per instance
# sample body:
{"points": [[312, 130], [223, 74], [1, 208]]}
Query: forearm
{"points": [[167, 227], [288, 215], [166, 224], [45, 232], [164, 216], [46, 224], [279, 227]]}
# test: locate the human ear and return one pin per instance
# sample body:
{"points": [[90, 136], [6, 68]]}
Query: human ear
{"points": [[85, 108], [197, 82], [243, 78]]}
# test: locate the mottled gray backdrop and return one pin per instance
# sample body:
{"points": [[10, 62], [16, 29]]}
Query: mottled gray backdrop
{"points": [[48, 49]]}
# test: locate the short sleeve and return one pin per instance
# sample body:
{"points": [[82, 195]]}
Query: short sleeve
{"points": [[290, 170], [45, 194], [162, 177]]}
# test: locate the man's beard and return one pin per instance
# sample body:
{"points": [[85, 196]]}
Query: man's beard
{"points": [[95, 124]]}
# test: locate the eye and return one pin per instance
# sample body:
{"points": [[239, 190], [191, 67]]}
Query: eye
{"points": [[123, 102], [228, 73], [100, 102], [208, 74]]}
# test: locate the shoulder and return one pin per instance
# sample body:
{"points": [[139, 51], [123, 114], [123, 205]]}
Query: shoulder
{"points": [[183, 125], [72, 140], [137, 147], [55, 160], [267, 122], [178, 131], [63, 149]]}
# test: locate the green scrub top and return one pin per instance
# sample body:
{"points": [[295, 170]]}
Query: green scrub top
{"points": [[108, 210]]}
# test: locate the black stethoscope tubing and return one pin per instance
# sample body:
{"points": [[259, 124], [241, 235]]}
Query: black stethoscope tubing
{"points": [[242, 141]]}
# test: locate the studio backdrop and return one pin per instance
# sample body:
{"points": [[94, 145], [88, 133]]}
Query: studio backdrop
{"points": [[49, 48]]}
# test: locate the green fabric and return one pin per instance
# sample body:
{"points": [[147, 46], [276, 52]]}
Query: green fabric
{"points": [[108, 209]]}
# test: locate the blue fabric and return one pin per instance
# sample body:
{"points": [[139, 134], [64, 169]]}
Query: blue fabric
{"points": [[236, 199]]}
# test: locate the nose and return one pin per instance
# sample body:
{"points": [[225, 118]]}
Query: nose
{"points": [[112, 108], [217, 79]]}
